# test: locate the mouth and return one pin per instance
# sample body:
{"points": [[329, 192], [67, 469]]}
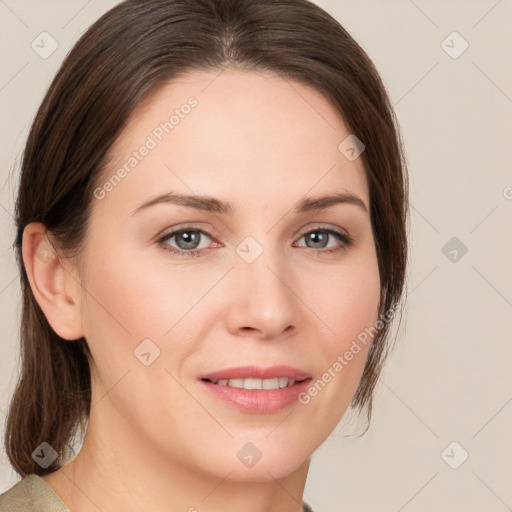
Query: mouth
{"points": [[252, 376], [259, 384], [257, 390]]}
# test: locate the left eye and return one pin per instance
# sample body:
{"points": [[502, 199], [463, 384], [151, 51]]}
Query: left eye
{"points": [[321, 236]]}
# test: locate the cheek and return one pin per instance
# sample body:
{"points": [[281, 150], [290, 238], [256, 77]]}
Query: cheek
{"points": [[346, 302], [347, 305], [129, 296], [129, 300]]}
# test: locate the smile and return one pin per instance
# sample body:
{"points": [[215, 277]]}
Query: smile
{"points": [[252, 383]]}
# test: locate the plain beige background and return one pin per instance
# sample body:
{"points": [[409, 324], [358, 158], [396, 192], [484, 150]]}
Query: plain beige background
{"points": [[446, 392]]}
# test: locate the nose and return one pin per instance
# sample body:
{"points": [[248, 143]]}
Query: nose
{"points": [[262, 302]]}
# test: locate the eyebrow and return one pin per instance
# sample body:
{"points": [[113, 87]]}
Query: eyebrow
{"points": [[213, 205]]}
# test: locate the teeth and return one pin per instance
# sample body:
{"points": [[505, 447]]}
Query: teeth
{"points": [[270, 383], [250, 383], [283, 382]]}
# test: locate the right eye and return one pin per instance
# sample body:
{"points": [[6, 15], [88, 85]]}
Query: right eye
{"points": [[187, 240]]}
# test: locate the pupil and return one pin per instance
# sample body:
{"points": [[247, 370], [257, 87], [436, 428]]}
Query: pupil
{"points": [[320, 237], [190, 243]]}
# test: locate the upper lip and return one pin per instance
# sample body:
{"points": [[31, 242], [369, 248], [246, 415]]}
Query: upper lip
{"points": [[257, 372]]}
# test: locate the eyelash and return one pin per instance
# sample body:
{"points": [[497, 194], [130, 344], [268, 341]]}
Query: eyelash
{"points": [[345, 238]]}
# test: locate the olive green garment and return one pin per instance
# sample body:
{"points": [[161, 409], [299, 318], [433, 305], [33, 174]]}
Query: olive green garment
{"points": [[33, 494]]}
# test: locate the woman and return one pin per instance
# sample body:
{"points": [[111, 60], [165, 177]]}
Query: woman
{"points": [[212, 242]]}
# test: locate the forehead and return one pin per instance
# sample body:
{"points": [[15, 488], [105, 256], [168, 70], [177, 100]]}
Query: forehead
{"points": [[250, 137]]}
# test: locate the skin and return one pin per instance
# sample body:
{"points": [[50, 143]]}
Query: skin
{"points": [[262, 143]]}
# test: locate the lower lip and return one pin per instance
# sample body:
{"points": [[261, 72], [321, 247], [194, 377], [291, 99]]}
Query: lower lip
{"points": [[258, 400]]}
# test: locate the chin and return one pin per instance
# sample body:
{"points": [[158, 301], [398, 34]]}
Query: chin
{"points": [[266, 460]]}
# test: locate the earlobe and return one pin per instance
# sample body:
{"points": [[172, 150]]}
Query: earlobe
{"points": [[53, 285]]}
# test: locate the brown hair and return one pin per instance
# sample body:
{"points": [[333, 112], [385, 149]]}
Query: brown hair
{"points": [[131, 51]]}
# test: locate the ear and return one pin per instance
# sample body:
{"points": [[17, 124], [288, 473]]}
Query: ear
{"points": [[54, 287]]}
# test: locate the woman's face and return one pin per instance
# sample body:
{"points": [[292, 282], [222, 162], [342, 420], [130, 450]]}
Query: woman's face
{"points": [[261, 284]]}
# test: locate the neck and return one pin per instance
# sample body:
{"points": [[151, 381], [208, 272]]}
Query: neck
{"points": [[117, 469]]}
